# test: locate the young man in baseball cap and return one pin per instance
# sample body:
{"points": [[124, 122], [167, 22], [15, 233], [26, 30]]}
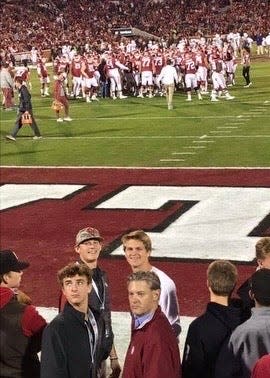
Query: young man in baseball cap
{"points": [[21, 325], [88, 246]]}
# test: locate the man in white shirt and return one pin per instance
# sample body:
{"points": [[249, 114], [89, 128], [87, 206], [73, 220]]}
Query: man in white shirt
{"points": [[137, 247], [168, 77]]}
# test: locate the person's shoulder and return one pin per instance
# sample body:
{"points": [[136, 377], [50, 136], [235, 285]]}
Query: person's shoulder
{"points": [[58, 321], [160, 323], [163, 276], [200, 322]]}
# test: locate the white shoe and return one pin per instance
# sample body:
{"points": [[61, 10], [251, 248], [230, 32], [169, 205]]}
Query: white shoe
{"points": [[94, 98], [214, 99], [170, 107], [188, 99], [140, 95], [88, 99], [68, 119], [37, 137], [229, 97], [122, 97], [114, 97], [59, 120], [150, 95], [199, 97], [10, 137]]}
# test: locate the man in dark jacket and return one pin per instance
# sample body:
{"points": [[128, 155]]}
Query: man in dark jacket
{"points": [[88, 245], [21, 325], [25, 108], [72, 342], [209, 332]]}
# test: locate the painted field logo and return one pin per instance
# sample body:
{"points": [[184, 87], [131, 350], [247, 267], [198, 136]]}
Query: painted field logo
{"points": [[192, 217]]}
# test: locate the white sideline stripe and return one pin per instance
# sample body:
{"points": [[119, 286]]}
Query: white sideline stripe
{"points": [[227, 127]]}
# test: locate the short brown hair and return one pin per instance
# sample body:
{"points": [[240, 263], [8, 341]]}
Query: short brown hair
{"points": [[138, 235], [222, 277], [262, 248], [72, 269], [150, 278]]}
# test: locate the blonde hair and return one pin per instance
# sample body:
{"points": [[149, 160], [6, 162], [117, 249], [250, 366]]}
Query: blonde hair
{"points": [[138, 235], [262, 248]]}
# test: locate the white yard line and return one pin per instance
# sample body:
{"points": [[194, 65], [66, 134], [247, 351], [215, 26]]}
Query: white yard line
{"points": [[183, 153]]}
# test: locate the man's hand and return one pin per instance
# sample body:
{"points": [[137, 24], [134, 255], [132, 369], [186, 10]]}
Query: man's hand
{"points": [[116, 369]]}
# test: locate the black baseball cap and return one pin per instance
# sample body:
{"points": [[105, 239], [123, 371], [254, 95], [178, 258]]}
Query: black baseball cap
{"points": [[9, 262]]}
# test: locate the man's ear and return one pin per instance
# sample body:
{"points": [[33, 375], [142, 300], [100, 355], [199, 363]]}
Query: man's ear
{"points": [[156, 294], [76, 248]]}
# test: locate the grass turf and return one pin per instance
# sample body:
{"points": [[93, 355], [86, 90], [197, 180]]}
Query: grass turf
{"points": [[143, 133]]}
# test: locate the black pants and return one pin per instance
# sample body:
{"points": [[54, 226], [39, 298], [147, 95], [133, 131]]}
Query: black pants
{"points": [[18, 125], [245, 73]]}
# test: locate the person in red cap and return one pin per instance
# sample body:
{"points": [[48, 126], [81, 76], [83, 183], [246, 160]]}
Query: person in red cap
{"points": [[21, 326]]}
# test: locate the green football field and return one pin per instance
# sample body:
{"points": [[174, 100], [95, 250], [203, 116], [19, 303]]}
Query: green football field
{"points": [[137, 132]]}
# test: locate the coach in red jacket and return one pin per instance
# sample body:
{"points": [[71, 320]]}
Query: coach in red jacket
{"points": [[153, 350]]}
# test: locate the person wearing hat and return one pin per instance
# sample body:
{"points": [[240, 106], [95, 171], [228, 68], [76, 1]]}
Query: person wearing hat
{"points": [[88, 245], [21, 326], [251, 340]]}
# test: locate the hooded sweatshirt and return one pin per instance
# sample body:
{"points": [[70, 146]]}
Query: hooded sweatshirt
{"points": [[206, 337]]}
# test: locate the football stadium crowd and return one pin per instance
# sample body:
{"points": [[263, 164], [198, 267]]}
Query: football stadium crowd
{"points": [[204, 41], [48, 24]]}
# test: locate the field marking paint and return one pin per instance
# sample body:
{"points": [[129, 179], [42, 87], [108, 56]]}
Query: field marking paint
{"points": [[44, 138], [203, 141], [203, 136], [194, 147], [227, 127], [183, 153], [172, 160], [220, 131], [238, 122]]}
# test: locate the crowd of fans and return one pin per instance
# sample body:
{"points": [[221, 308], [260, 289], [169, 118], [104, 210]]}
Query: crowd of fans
{"points": [[50, 23]]}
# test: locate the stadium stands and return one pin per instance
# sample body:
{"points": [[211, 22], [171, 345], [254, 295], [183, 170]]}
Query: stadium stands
{"points": [[49, 24]]}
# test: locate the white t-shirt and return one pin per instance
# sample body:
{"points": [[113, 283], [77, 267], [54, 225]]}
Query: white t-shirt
{"points": [[168, 300]]}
